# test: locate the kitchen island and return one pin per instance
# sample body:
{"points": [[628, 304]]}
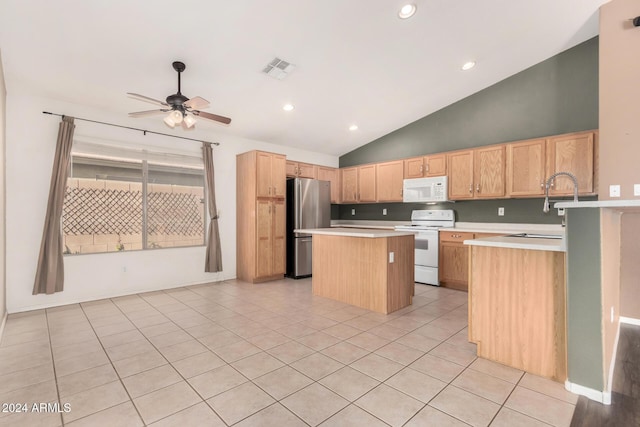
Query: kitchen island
{"points": [[368, 268], [517, 313]]}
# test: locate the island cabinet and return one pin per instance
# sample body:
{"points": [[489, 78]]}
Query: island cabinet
{"points": [[517, 313], [301, 170], [389, 180], [371, 269], [425, 166], [572, 153], [526, 162], [260, 216], [333, 176], [477, 174]]}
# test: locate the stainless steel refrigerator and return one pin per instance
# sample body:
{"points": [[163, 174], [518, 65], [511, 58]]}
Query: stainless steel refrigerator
{"points": [[308, 206]]}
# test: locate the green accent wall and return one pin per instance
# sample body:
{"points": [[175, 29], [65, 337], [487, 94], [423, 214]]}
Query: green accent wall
{"points": [[515, 211], [584, 298], [558, 95]]}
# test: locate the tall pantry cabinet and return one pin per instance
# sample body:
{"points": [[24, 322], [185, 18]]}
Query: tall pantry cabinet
{"points": [[260, 216]]}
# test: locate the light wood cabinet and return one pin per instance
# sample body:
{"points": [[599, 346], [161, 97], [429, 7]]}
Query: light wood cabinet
{"points": [[260, 216], [333, 176], [301, 170], [271, 175], [349, 183], [572, 153], [460, 165], [453, 258], [517, 313], [453, 263], [389, 180], [424, 166], [526, 163], [367, 183], [477, 174]]}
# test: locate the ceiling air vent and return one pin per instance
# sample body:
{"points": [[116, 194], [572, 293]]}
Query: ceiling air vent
{"points": [[278, 69]]}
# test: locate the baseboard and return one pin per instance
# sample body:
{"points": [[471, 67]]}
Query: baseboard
{"points": [[4, 322], [630, 321], [603, 397]]}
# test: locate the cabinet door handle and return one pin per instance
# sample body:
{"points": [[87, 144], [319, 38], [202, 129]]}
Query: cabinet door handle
{"points": [[269, 190], [274, 191], [421, 168], [426, 167], [542, 185], [269, 208], [478, 188], [470, 188], [553, 183]]}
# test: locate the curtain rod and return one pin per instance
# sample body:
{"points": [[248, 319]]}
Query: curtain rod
{"points": [[144, 131]]}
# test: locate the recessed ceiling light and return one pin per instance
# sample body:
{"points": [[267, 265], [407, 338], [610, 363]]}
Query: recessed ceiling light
{"points": [[353, 127], [468, 65], [407, 11], [287, 107]]}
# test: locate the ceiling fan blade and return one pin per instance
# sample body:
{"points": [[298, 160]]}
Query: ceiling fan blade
{"points": [[147, 113], [196, 102], [147, 99], [213, 117]]}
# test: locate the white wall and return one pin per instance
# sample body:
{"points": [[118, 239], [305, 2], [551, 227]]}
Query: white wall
{"points": [[3, 93], [31, 138]]}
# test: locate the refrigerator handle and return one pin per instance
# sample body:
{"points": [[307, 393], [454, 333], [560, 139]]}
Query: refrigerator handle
{"points": [[299, 207]]}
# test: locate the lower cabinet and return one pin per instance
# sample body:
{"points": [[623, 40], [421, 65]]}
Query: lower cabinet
{"points": [[453, 265], [453, 254], [270, 238]]}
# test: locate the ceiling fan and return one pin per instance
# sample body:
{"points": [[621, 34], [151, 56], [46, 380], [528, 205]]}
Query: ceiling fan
{"points": [[180, 108]]}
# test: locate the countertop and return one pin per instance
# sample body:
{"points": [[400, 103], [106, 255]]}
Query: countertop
{"points": [[599, 204], [476, 227], [536, 244], [355, 232]]}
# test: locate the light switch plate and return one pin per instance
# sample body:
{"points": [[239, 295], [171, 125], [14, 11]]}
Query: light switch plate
{"points": [[353, 211], [384, 211], [636, 189], [614, 191], [500, 211]]}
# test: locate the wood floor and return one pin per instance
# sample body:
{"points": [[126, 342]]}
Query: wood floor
{"points": [[625, 399]]}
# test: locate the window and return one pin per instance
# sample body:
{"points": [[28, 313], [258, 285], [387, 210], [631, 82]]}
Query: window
{"points": [[120, 200]]}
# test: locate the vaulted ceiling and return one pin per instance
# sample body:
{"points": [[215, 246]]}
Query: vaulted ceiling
{"points": [[356, 61]]}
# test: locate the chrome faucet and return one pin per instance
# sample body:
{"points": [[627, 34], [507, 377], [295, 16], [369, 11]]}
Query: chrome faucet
{"points": [[545, 208]]}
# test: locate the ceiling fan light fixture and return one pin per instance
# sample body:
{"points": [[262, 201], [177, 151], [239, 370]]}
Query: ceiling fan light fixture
{"points": [[189, 121], [176, 116], [169, 120], [407, 11]]}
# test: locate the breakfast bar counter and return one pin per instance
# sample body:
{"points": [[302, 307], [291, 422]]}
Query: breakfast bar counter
{"points": [[368, 268]]}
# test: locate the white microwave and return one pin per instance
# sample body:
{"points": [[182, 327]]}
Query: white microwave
{"points": [[420, 190]]}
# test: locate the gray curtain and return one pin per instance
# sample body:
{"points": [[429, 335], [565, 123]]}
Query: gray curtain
{"points": [[213, 261], [50, 272]]}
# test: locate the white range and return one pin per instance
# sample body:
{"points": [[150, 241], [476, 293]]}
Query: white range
{"points": [[425, 224]]}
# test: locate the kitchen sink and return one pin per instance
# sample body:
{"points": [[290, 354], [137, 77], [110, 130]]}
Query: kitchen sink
{"points": [[536, 236]]}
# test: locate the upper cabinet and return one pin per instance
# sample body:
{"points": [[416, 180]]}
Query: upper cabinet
{"points": [[573, 153], [389, 179], [367, 183], [423, 166], [333, 176], [270, 175], [349, 182], [477, 174], [526, 163], [301, 170], [358, 184]]}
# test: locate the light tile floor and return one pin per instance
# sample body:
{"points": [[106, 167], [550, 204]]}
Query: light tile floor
{"points": [[270, 354]]}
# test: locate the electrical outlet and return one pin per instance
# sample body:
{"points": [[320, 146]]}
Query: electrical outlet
{"points": [[391, 257], [500, 211], [353, 211], [384, 211], [614, 191], [560, 211], [636, 189]]}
